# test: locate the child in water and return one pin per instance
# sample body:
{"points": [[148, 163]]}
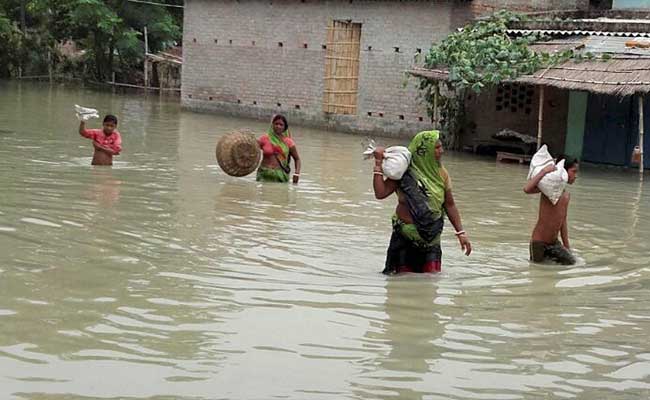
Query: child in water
{"points": [[106, 141], [552, 221]]}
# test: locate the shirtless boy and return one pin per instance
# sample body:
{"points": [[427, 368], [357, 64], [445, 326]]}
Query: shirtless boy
{"points": [[106, 141], [552, 220]]}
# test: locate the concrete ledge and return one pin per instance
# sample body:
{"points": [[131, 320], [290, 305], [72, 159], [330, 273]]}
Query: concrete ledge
{"points": [[600, 21], [360, 125]]}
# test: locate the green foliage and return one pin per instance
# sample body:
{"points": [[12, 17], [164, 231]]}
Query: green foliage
{"points": [[9, 44], [482, 54], [109, 32]]}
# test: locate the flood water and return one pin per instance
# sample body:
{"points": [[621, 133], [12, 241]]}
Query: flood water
{"points": [[164, 278]]}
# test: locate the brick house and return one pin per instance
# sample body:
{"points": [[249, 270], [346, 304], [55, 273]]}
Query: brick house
{"points": [[590, 108], [331, 64]]}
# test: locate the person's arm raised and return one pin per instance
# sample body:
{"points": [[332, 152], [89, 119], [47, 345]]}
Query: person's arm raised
{"points": [[382, 187], [82, 130], [531, 185]]}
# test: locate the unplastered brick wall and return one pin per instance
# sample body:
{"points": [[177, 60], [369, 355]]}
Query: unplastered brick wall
{"points": [[531, 5], [254, 58], [492, 111]]}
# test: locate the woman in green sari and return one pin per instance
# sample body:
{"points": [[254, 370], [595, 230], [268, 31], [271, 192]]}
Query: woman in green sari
{"points": [[424, 197], [278, 148]]}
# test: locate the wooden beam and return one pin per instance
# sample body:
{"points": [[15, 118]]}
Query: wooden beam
{"points": [[146, 52], [49, 65], [435, 107], [641, 135], [540, 117]]}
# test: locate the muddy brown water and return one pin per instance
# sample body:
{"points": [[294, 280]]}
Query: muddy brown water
{"points": [[164, 278]]}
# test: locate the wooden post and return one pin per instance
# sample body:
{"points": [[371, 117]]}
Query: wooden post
{"points": [[146, 53], [435, 107], [23, 29], [540, 117], [641, 135], [23, 20], [49, 65]]}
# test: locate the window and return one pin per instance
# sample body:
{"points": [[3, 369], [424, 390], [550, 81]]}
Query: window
{"points": [[342, 67], [514, 98]]}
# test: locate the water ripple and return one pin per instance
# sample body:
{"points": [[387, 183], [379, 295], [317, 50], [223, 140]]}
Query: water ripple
{"points": [[177, 281]]}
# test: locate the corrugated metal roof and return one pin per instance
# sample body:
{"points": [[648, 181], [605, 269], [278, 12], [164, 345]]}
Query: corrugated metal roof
{"points": [[613, 45], [559, 45], [625, 74], [557, 32], [614, 20]]}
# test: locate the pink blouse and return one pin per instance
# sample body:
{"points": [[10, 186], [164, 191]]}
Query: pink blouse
{"points": [[270, 149], [113, 141]]}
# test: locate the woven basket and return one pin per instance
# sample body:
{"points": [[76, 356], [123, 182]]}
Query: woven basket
{"points": [[238, 153]]}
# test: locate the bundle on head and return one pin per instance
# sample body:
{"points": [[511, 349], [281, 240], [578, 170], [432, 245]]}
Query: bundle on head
{"points": [[238, 153]]}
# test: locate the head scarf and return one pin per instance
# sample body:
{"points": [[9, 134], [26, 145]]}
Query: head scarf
{"points": [[425, 168]]}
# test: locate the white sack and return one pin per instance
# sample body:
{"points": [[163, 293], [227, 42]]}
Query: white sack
{"points": [[396, 161], [84, 113], [552, 184]]}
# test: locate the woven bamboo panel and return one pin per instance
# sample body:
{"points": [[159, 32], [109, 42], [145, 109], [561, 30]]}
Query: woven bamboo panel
{"points": [[342, 67]]}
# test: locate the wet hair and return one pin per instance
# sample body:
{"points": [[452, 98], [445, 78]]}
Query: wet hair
{"points": [[283, 118], [568, 161], [110, 118]]}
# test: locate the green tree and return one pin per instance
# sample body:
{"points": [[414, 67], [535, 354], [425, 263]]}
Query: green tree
{"points": [[110, 28], [483, 54], [31, 41], [9, 44], [110, 31], [480, 55]]}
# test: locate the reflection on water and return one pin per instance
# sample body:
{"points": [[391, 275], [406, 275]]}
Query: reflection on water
{"points": [[177, 281]]}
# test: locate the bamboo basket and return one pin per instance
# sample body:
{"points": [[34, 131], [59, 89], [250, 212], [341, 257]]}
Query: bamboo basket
{"points": [[238, 153]]}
